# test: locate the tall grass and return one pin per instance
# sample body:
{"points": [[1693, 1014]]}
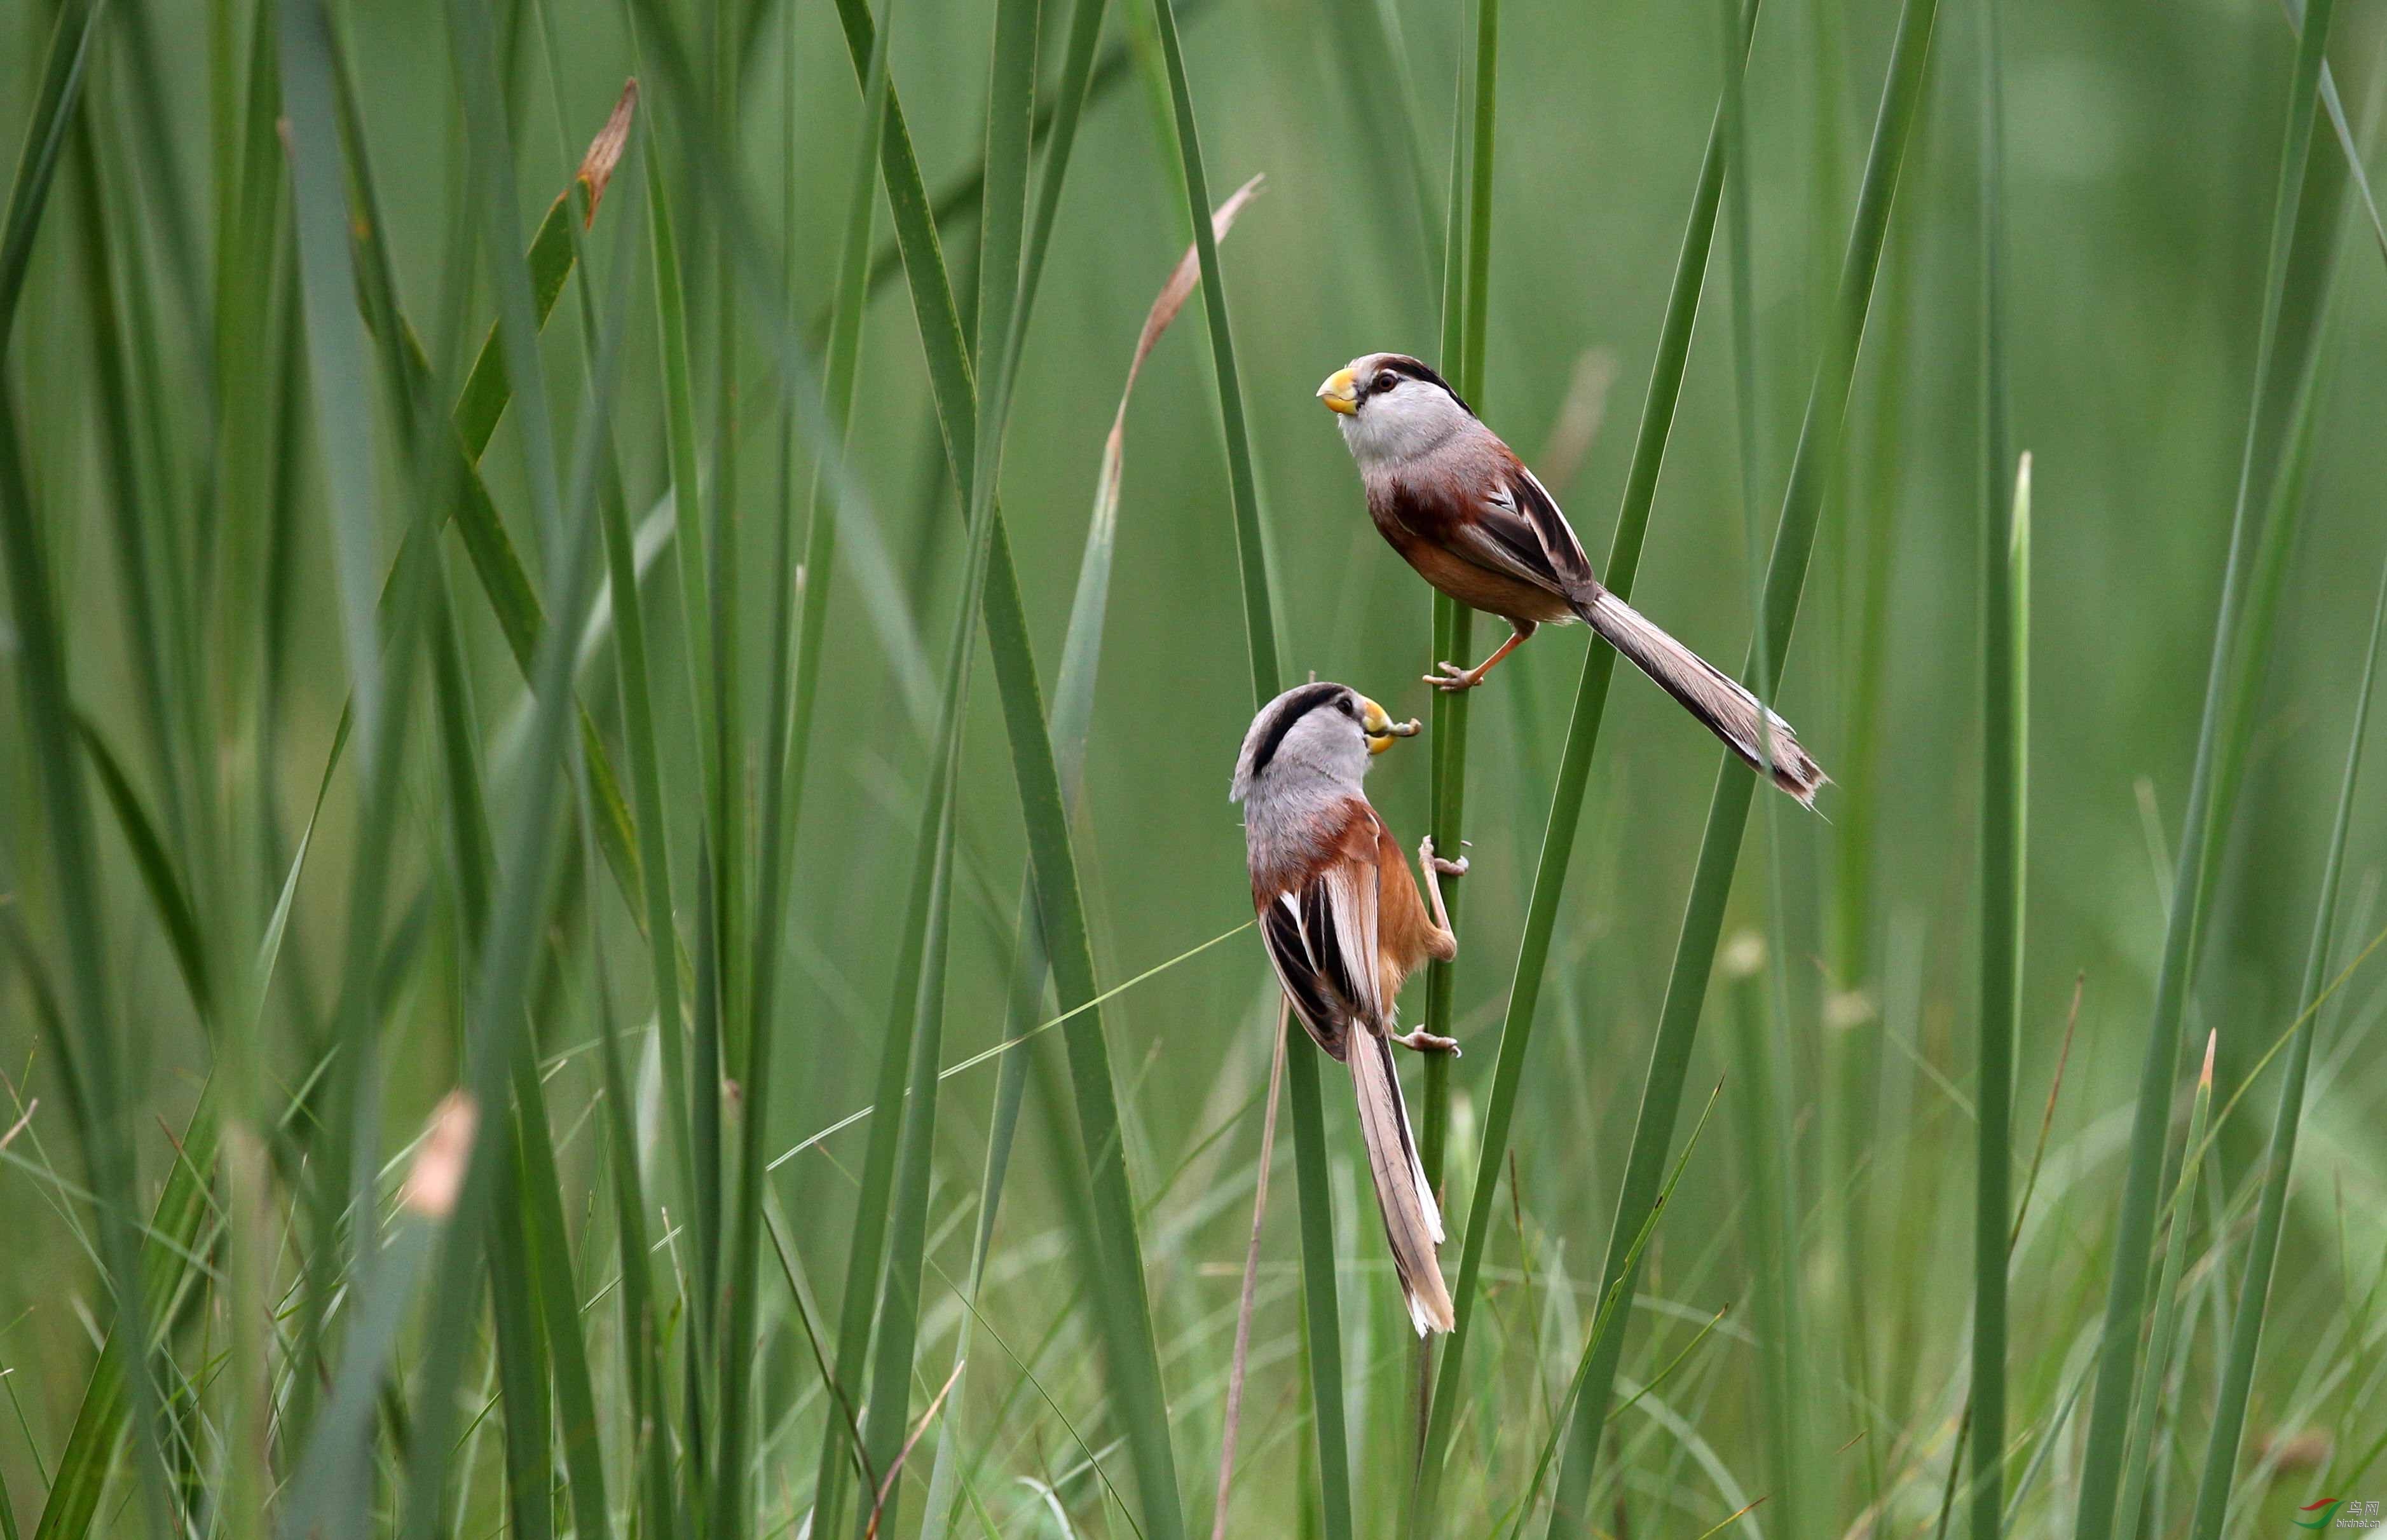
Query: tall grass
{"points": [[562, 654], [2125, 1292]]}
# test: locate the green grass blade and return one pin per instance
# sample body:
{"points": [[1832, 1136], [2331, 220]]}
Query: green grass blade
{"points": [[177, 1222], [335, 348], [1321, 1308], [1566, 808], [531, 1277], [1605, 1318], [1124, 1306], [680, 451], [158, 876], [1073, 704], [89, 1064], [1009, 115], [1762, 1006], [839, 1443], [2262, 1246], [2005, 779], [2149, 1399], [1259, 626], [500, 990], [1728, 811], [1466, 291], [132, 474], [2118, 1354], [553, 252], [54, 101]]}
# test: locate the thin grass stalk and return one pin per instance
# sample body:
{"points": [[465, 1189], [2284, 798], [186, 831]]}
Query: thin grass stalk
{"points": [[1073, 704], [87, 1054], [2163, 1335], [2118, 1357], [1116, 1266], [2262, 1246], [128, 487], [1321, 1304], [1453, 626], [2004, 782], [1728, 811], [786, 726], [1566, 809], [1762, 1008], [828, 1486], [522, 1363], [1010, 113], [1232, 1418], [1267, 669], [724, 1036], [500, 990], [1601, 1323]]}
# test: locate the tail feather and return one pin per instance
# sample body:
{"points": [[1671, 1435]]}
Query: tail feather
{"points": [[1412, 1219], [1707, 693]]}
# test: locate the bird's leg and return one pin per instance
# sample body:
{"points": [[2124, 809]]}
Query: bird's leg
{"points": [[1422, 1041], [1436, 868], [1450, 676]]}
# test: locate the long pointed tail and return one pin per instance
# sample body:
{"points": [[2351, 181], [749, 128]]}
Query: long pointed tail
{"points": [[1706, 692], [1412, 1219]]}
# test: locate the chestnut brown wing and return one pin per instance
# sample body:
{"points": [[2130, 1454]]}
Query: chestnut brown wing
{"points": [[1321, 936], [1517, 529]]}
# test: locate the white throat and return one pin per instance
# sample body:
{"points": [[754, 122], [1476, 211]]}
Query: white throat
{"points": [[1396, 427]]}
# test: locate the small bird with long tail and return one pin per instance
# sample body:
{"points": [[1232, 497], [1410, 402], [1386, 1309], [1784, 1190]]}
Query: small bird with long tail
{"points": [[1464, 509], [1344, 925]]}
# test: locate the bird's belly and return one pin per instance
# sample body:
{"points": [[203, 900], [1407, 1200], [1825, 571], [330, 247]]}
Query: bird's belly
{"points": [[1495, 593]]}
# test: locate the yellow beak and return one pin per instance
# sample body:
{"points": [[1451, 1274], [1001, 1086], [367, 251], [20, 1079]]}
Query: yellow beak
{"points": [[1340, 392], [1379, 728]]}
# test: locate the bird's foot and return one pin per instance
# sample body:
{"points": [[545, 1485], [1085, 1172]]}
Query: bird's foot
{"points": [[1451, 678], [1422, 1041], [1426, 857]]}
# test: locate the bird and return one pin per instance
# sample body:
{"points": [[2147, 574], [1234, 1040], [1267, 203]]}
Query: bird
{"points": [[1344, 925], [1464, 509]]}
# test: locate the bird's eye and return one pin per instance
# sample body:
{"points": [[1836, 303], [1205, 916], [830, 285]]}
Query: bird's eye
{"points": [[1386, 380], [1345, 707]]}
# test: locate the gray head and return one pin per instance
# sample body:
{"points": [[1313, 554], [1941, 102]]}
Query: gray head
{"points": [[1313, 740], [1395, 408]]}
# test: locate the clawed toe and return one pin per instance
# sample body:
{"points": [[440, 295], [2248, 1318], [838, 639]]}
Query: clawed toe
{"points": [[1424, 1041], [1450, 676]]}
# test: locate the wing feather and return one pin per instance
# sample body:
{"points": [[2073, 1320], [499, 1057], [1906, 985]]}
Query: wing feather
{"points": [[1518, 530], [1321, 937]]}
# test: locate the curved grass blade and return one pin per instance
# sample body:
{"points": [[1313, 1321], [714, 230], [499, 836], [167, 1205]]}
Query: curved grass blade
{"points": [[841, 1441], [335, 352], [2117, 1356], [166, 894], [1600, 1323], [1073, 705], [1009, 115], [1583, 735], [1728, 811], [2160, 1339], [89, 1066], [2262, 1246], [1321, 1308], [1117, 1268], [499, 990]]}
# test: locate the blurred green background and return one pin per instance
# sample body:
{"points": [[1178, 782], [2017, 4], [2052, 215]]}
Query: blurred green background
{"points": [[2140, 150]]}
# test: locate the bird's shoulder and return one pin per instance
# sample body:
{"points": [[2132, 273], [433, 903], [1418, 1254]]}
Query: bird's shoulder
{"points": [[1346, 835]]}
